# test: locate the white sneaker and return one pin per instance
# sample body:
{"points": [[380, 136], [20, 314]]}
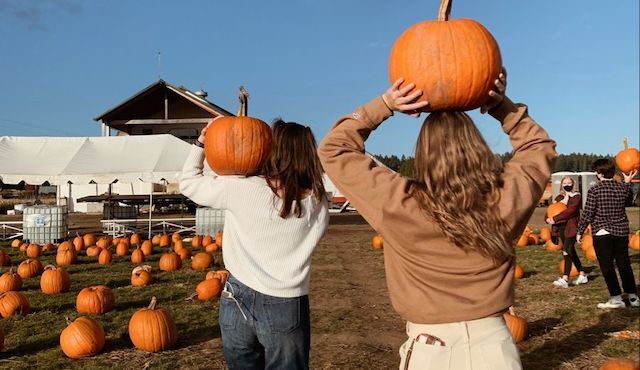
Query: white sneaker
{"points": [[612, 303], [561, 283], [582, 279], [634, 302]]}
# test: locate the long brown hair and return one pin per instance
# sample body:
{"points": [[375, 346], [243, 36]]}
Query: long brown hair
{"points": [[293, 166], [457, 184]]}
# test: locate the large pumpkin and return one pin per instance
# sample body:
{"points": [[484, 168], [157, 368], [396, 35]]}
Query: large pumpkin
{"points": [[454, 62], [222, 275], [152, 329], [555, 209], [545, 233], [78, 243], [66, 254], [105, 257], [54, 280], [10, 281], [95, 300], [196, 241], [553, 247], [81, 338], [137, 256], [13, 303], [89, 239], [516, 324], [518, 272], [201, 261], [628, 159], [237, 145], [147, 247], [33, 251]]}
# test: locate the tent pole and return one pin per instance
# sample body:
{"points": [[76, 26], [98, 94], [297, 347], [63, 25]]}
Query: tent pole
{"points": [[150, 209]]}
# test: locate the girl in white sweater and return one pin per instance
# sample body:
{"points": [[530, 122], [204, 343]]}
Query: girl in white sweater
{"points": [[272, 224]]}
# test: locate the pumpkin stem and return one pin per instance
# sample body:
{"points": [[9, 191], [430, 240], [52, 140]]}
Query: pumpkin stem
{"points": [[244, 102], [68, 320], [512, 311], [626, 143], [154, 302], [445, 10]]}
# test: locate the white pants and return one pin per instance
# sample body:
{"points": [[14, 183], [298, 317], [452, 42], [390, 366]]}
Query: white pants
{"points": [[483, 344]]}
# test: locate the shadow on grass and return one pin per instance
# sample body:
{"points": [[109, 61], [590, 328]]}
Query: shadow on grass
{"points": [[529, 274], [36, 346], [563, 350], [190, 334], [543, 326]]}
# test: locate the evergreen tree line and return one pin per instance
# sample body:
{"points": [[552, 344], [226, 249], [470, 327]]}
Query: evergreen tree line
{"points": [[574, 162]]}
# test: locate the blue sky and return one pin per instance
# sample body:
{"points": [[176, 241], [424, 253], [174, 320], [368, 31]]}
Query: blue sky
{"points": [[63, 62]]}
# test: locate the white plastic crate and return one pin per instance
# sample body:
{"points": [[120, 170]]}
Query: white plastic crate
{"points": [[45, 224]]}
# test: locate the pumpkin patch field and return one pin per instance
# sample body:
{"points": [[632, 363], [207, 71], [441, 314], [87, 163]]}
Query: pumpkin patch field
{"points": [[353, 323]]}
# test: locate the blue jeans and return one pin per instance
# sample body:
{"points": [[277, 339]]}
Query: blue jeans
{"points": [[276, 333]]}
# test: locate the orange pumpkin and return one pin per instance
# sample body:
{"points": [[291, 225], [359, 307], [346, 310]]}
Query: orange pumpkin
{"points": [[211, 247], [196, 241], [237, 145], [377, 242], [523, 241], [135, 239], [16, 243], [586, 242], [95, 300], [54, 280], [555, 209], [30, 268], [5, 260], [545, 233], [137, 256], [175, 237], [218, 240], [147, 248], [177, 245], [93, 251], [155, 240], [13, 303], [620, 364], [83, 337], [33, 251], [591, 254], [516, 324], [141, 276], [628, 159], [518, 272], [164, 240], [201, 261], [89, 239], [78, 243], [634, 241], [170, 261], [105, 257], [222, 275], [208, 288], [152, 329], [207, 240], [533, 239], [122, 249], [454, 62], [184, 253], [10, 281], [48, 247], [553, 247]]}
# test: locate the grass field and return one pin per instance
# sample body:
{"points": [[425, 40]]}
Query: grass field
{"points": [[353, 324]]}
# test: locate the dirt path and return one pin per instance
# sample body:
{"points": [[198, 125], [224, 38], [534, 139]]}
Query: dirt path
{"points": [[353, 323]]}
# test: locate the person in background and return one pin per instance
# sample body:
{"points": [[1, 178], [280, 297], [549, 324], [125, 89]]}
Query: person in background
{"points": [[605, 212], [564, 226], [272, 224], [449, 232]]}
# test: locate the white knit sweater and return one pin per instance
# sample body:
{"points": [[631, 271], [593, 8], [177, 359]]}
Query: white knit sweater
{"points": [[267, 253]]}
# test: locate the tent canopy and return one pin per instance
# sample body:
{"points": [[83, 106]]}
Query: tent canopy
{"points": [[82, 160]]}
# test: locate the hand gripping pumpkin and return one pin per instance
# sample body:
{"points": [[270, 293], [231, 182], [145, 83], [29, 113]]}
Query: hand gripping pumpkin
{"points": [[628, 159], [454, 62], [237, 145]]}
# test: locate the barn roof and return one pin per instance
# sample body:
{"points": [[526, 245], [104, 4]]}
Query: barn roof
{"points": [[159, 85]]}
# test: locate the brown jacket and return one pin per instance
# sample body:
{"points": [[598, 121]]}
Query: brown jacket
{"points": [[430, 280]]}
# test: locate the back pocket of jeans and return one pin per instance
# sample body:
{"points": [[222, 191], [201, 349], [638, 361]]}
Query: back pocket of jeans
{"points": [[501, 355], [282, 314]]}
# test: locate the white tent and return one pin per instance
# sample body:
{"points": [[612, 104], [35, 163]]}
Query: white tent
{"points": [[83, 160]]}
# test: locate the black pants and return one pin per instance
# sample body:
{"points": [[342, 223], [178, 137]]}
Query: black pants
{"points": [[610, 249], [569, 247]]}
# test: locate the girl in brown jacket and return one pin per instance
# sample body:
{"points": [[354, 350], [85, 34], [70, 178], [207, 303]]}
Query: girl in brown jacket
{"points": [[449, 232]]}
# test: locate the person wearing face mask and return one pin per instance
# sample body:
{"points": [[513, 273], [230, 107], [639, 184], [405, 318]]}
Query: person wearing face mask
{"points": [[605, 212], [564, 226]]}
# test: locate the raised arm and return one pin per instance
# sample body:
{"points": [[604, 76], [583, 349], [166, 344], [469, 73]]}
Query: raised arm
{"points": [[527, 173], [209, 191], [342, 153]]}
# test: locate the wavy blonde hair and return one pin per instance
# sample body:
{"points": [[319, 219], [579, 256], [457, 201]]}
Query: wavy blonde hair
{"points": [[457, 184]]}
